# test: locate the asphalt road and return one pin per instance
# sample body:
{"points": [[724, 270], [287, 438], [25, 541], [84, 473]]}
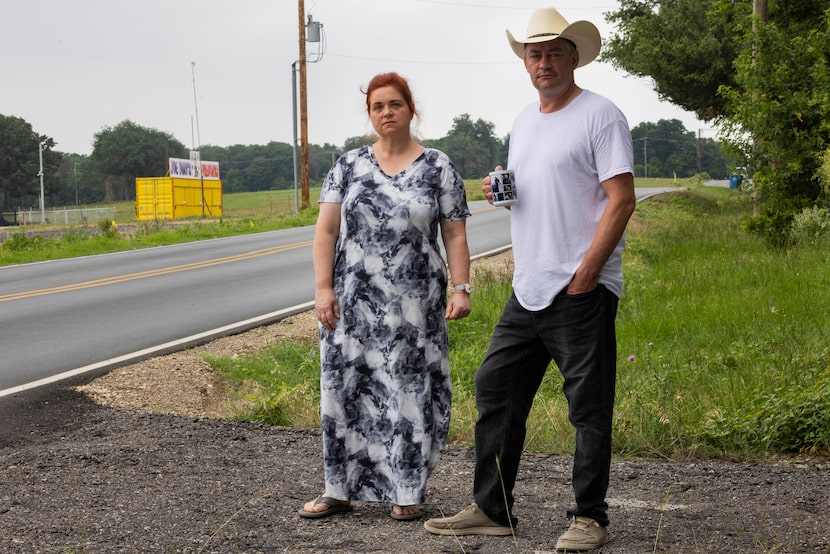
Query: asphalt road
{"points": [[68, 317]]}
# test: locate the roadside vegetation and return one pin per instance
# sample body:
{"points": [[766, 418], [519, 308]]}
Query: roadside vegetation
{"points": [[723, 345], [243, 212]]}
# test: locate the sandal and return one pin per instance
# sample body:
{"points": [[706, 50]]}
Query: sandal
{"points": [[417, 514], [334, 507]]}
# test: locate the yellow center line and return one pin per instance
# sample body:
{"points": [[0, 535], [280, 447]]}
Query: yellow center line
{"points": [[153, 272]]}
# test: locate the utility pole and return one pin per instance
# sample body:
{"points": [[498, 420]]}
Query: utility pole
{"points": [[759, 10], [759, 18], [40, 148], [303, 108], [699, 154], [299, 66], [198, 145]]}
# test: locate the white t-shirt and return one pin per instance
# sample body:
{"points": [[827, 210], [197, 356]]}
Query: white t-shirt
{"points": [[560, 159]]}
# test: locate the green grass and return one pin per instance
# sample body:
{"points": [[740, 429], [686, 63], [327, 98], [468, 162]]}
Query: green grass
{"points": [[280, 386], [728, 338], [238, 204], [723, 347]]}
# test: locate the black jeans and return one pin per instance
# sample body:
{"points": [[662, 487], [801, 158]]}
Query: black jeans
{"points": [[578, 333]]}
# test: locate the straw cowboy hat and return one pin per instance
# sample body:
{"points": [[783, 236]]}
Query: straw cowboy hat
{"points": [[547, 24]]}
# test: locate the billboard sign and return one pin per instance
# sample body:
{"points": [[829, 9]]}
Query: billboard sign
{"points": [[194, 168]]}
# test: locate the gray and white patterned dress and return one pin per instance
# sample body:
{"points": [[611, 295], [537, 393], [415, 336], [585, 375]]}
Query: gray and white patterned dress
{"points": [[385, 373]]}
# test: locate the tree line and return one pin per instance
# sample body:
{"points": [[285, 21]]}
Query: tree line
{"points": [[128, 150]]}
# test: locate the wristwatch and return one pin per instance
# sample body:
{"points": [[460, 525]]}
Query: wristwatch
{"points": [[465, 287]]}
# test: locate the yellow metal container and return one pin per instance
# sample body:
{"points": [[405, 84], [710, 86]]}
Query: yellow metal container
{"points": [[177, 197]]}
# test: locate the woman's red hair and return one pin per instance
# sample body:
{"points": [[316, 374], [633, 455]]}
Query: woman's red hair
{"points": [[391, 80]]}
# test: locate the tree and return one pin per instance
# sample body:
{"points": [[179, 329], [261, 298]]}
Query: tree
{"points": [[685, 47], [504, 151], [713, 160], [320, 161], [126, 151], [764, 83], [75, 187], [779, 114], [20, 163], [356, 142], [666, 147], [232, 163], [688, 48], [670, 150], [472, 146]]}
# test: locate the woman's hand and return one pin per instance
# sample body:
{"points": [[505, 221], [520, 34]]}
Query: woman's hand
{"points": [[327, 308], [458, 306]]}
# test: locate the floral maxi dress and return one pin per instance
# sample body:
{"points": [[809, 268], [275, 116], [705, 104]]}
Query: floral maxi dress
{"points": [[385, 376]]}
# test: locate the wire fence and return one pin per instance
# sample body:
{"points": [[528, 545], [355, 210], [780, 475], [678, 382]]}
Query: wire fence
{"points": [[57, 216]]}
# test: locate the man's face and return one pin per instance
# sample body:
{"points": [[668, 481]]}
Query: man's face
{"points": [[551, 64]]}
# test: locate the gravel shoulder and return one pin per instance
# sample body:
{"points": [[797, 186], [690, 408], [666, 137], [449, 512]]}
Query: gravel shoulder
{"points": [[147, 459]]}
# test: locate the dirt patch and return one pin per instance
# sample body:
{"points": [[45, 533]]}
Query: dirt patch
{"points": [[183, 383]]}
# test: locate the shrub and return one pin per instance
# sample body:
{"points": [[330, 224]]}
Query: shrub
{"points": [[18, 242], [823, 174], [108, 228], [811, 226], [787, 419], [775, 228]]}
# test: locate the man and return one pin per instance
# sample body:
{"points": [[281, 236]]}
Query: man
{"points": [[572, 156]]}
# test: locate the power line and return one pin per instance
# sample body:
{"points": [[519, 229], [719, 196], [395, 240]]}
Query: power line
{"points": [[513, 6], [427, 62]]}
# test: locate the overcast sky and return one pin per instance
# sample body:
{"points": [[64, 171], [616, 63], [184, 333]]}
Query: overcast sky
{"points": [[72, 68]]}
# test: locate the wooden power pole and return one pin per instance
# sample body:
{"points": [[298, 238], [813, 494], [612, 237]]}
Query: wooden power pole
{"points": [[303, 108], [759, 9]]}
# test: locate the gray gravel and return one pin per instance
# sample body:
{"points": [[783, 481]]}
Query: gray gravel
{"points": [[79, 478]]}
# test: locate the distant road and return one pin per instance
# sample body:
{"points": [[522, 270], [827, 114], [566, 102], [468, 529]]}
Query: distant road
{"points": [[719, 183], [68, 317]]}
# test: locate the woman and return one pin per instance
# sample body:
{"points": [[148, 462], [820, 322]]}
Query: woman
{"points": [[381, 300]]}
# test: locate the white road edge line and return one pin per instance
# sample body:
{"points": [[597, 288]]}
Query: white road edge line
{"points": [[168, 346]]}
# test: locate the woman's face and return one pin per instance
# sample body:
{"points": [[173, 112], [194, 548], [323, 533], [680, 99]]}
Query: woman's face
{"points": [[388, 111]]}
